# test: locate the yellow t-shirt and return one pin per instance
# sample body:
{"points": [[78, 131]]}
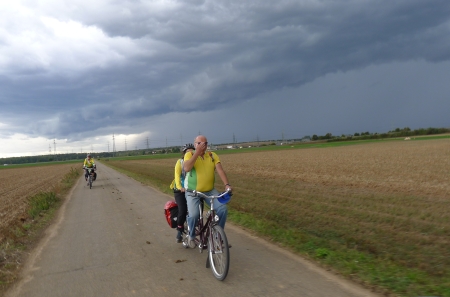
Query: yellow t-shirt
{"points": [[202, 175], [89, 164]]}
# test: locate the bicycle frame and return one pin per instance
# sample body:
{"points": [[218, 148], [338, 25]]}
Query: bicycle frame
{"points": [[204, 228], [204, 231], [90, 172]]}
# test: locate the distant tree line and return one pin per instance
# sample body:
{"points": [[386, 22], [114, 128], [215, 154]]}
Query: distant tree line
{"points": [[82, 156], [398, 132]]}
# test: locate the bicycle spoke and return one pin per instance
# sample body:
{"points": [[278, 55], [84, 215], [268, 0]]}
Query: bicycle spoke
{"points": [[219, 253]]}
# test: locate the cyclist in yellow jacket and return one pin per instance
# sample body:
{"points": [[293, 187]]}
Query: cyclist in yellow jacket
{"points": [[89, 163], [179, 190]]}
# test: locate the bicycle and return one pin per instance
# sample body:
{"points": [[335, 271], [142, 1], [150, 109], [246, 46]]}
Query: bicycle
{"points": [[209, 235], [90, 173]]}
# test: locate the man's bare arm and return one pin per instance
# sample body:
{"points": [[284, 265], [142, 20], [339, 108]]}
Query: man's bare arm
{"points": [[188, 164], [223, 176]]}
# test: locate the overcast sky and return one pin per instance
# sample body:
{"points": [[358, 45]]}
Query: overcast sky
{"points": [[73, 73]]}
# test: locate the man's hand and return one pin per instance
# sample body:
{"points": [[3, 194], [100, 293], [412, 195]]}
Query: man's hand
{"points": [[201, 148]]}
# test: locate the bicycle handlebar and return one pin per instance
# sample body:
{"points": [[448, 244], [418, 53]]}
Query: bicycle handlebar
{"points": [[202, 195]]}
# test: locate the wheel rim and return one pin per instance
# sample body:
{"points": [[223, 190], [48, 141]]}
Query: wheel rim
{"points": [[218, 255]]}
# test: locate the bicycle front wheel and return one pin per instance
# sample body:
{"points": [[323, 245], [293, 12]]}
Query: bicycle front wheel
{"points": [[90, 181], [219, 253]]}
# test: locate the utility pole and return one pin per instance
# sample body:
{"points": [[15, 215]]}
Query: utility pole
{"points": [[49, 149], [114, 145], [54, 146], [148, 144]]}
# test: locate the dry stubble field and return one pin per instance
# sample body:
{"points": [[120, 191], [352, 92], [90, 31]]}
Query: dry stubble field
{"points": [[388, 199], [17, 185]]}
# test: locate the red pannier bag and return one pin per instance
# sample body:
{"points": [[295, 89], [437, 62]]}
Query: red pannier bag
{"points": [[171, 213]]}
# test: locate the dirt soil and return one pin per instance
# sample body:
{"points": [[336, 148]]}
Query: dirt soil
{"points": [[17, 185]]}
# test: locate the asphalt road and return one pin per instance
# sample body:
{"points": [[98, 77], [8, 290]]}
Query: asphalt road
{"points": [[113, 240]]}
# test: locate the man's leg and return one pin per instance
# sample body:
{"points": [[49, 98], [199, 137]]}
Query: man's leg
{"points": [[193, 212], [221, 209]]}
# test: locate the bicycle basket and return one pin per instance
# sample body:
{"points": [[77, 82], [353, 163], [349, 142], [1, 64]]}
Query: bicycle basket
{"points": [[225, 198]]}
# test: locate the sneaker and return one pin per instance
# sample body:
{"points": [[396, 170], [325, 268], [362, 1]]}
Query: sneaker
{"points": [[179, 237], [191, 242]]}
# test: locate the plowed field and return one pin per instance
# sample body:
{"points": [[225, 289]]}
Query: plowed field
{"points": [[17, 185], [388, 200]]}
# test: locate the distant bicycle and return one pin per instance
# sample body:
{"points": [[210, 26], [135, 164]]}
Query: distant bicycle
{"points": [[209, 235], [90, 176]]}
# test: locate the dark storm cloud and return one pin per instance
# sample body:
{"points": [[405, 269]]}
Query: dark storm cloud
{"points": [[147, 58]]}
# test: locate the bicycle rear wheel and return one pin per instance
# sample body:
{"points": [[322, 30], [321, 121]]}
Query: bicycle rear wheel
{"points": [[219, 254]]}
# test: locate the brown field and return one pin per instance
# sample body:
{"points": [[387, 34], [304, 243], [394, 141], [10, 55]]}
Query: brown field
{"points": [[17, 185], [389, 200]]}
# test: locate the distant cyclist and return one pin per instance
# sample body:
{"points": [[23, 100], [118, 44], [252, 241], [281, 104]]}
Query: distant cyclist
{"points": [[89, 163], [179, 189], [200, 168]]}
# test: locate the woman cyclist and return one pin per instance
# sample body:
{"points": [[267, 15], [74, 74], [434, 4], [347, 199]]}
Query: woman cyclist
{"points": [[179, 190]]}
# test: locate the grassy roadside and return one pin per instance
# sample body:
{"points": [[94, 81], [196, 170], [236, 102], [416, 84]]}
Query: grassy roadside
{"points": [[394, 244], [29, 227]]}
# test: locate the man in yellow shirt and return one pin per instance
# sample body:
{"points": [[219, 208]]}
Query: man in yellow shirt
{"points": [[200, 168]]}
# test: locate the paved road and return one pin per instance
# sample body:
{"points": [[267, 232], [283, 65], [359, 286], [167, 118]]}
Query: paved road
{"points": [[113, 240]]}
